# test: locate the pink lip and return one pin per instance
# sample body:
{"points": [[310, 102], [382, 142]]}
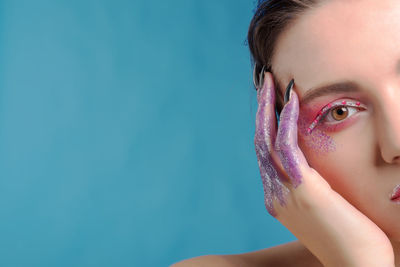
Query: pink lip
{"points": [[396, 194]]}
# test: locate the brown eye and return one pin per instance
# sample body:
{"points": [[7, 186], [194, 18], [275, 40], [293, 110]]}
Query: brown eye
{"points": [[340, 113]]}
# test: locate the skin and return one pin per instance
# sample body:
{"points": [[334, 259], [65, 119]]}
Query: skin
{"points": [[266, 141], [326, 45], [329, 226], [334, 197]]}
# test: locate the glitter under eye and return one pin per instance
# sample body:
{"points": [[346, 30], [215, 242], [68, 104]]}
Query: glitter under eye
{"points": [[331, 106]]}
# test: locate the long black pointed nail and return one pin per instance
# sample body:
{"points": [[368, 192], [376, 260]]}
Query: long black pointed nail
{"points": [[288, 90], [277, 116]]}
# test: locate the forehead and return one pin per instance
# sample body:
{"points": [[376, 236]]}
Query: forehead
{"points": [[342, 39]]}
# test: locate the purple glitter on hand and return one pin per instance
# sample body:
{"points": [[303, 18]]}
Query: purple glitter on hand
{"points": [[286, 141], [272, 147]]}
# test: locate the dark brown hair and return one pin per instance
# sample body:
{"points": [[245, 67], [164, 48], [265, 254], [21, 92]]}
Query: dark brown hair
{"points": [[270, 19]]}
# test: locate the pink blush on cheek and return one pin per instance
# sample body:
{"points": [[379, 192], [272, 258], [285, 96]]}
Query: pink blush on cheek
{"points": [[318, 140]]}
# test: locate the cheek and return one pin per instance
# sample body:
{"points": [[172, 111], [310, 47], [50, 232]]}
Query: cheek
{"points": [[341, 163], [340, 168], [351, 170]]}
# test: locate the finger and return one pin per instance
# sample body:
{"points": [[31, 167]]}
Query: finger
{"points": [[266, 124], [286, 145], [270, 169], [265, 118]]}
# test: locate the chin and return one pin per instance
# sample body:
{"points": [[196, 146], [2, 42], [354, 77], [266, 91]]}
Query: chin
{"points": [[391, 228]]}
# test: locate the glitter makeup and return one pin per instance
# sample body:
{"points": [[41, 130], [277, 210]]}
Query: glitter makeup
{"points": [[286, 140], [318, 141], [325, 110], [264, 140]]}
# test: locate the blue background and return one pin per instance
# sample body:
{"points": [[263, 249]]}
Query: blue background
{"points": [[126, 133]]}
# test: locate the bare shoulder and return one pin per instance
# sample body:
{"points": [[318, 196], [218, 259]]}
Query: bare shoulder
{"points": [[289, 254]]}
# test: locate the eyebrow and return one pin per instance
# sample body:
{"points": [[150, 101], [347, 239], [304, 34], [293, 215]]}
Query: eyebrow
{"points": [[334, 88]]}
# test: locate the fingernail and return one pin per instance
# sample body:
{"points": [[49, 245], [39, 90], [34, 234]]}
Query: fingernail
{"points": [[277, 116], [288, 92], [262, 86], [262, 81]]}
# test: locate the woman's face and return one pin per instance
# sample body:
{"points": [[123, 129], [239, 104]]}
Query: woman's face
{"points": [[357, 150]]}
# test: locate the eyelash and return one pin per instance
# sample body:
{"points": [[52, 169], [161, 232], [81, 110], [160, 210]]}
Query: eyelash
{"points": [[325, 111]]}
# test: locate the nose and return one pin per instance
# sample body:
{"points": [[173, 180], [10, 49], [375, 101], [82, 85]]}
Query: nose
{"points": [[389, 126]]}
